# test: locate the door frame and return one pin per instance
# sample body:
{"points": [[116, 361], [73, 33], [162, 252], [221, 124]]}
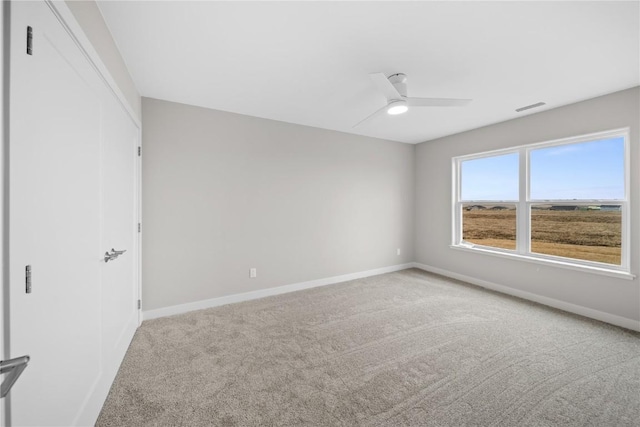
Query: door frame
{"points": [[139, 216], [66, 18], [4, 195]]}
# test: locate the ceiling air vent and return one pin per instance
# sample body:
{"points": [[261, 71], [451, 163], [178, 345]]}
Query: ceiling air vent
{"points": [[528, 107]]}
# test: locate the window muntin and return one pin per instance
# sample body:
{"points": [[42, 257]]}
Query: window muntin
{"points": [[575, 213]]}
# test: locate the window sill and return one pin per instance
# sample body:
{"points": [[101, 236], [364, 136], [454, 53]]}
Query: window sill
{"points": [[568, 265]]}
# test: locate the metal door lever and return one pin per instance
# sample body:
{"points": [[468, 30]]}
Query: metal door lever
{"points": [[110, 256], [12, 367]]}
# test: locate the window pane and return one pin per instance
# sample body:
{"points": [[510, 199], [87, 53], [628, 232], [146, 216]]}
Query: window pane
{"points": [[586, 232], [489, 225], [490, 178], [587, 170]]}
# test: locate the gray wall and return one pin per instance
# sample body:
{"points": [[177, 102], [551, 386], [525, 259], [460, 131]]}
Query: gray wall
{"points": [[225, 192], [433, 204], [90, 19]]}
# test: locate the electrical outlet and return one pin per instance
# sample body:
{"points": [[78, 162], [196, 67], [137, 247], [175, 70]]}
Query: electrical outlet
{"points": [[253, 273], [398, 251]]}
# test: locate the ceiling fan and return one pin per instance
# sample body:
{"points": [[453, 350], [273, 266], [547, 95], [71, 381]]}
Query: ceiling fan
{"points": [[394, 88]]}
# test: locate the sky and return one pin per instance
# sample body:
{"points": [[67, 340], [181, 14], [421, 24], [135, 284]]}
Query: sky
{"points": [[587, 170]]}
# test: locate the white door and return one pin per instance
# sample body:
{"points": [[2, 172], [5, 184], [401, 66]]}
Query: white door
{"points": [[119, 162], [71, 198]]}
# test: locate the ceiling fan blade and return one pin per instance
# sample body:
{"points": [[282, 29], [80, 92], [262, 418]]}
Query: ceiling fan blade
{"points": [[381, 110], [437, 102], [384, 85]]}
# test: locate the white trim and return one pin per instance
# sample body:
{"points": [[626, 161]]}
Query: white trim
{"points": [[547, 260], [69, 22], [523, 212], [4, 231], [139, 224], [456, 206], [247, 296], [551, 302]]}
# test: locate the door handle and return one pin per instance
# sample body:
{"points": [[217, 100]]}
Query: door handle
{"points": [[12, 367], [111, 256]]}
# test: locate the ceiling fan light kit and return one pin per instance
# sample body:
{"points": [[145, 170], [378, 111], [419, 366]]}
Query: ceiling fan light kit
{"points": [[397, 107], [394, 88]]}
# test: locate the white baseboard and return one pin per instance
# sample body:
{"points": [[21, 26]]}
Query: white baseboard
{"points": [[246, 296], [551, 302]]}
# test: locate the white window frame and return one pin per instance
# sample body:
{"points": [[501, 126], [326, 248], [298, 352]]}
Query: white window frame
{"points": [[524, 204]]}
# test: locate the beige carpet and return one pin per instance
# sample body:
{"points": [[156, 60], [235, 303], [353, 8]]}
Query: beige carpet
{"points": [[400, 349]]}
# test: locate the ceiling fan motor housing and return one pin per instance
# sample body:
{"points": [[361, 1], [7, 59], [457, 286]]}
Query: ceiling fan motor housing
{"points": [[399, 81]]}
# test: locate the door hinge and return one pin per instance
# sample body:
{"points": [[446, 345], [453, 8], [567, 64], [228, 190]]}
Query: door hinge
{"points": [[139, 227], [27, 279], [139, 304], [29, 41], [139, 151]]}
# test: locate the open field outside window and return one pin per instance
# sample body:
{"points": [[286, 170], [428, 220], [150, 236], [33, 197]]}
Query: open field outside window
{"points": [[586, 232], [489, 225]]}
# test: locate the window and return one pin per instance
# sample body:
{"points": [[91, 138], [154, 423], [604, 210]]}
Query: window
{"points": [[562, 201], [489, 195]]}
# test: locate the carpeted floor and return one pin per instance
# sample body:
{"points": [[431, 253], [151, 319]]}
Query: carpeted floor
{"points": [[401, 349]]}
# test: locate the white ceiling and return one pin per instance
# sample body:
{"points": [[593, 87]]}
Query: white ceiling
{"points": [[308, 62]]}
